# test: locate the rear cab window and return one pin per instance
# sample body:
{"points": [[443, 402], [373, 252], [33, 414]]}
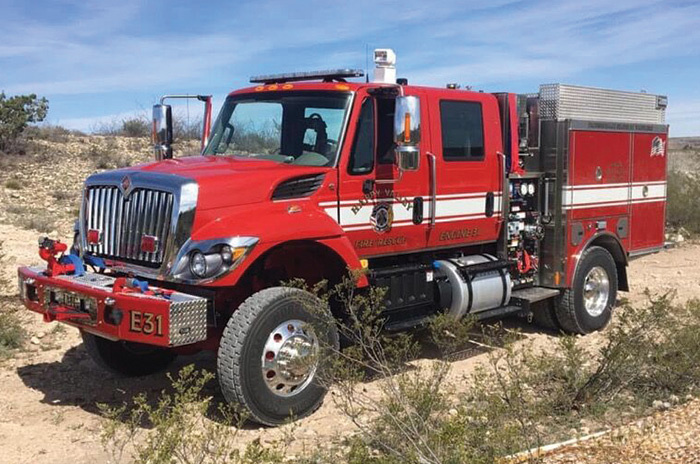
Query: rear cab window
{"points": [[462, 128]]}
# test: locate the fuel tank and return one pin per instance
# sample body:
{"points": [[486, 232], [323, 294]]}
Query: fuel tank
{"points": [[476, 283]]}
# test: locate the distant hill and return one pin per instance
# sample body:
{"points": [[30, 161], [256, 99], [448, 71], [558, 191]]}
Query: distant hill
{"points": [[684, 143]]}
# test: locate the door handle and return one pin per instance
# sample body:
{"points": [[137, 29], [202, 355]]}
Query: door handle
{"points": [[489, 204]]}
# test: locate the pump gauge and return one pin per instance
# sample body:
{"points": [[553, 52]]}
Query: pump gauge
{"points": [[531, 188], [523, 189]]}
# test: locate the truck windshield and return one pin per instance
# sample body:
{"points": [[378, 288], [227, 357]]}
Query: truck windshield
{"points": [[300, 127]]}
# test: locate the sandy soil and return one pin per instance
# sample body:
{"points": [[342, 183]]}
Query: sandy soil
{"points": [[49, 392]]}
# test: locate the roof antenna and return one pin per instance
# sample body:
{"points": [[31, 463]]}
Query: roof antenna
{"points": [[367, 63]]}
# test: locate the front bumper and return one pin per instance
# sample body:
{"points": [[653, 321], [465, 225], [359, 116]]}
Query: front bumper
{"points": [[89, 303]]}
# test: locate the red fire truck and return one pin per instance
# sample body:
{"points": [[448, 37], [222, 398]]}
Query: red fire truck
{"points": [[470, 203]]}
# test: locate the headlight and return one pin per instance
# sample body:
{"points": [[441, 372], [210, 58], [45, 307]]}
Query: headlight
{"points": [[208, 260], [198, 264], [226, 254]]}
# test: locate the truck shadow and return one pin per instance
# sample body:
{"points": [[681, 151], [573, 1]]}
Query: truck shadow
{"points": [[76, 380]]}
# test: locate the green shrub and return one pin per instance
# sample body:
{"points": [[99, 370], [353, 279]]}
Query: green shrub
{"points": [[16, 113], [683, 196], [136, 127], [180, 428], [12, 334]]}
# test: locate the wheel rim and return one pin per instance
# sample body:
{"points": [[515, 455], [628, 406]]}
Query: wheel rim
{"points": [[290, 358], [596, 291]]}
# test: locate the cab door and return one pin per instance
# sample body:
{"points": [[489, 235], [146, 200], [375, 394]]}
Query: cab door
{"points": [[468, 171], [382, 211]]}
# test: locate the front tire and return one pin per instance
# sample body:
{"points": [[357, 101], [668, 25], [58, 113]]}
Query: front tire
{"points": [[126, 358], [270, 352], [587, 306]]}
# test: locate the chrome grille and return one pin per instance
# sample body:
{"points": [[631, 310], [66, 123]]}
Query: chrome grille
{"points": [[123, 221]]}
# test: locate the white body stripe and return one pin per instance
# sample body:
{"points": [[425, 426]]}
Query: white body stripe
{"points": [[607, 195], [355, 215]]}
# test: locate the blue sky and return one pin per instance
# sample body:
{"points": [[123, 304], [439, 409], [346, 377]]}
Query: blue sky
{"points": [[99, 61]]}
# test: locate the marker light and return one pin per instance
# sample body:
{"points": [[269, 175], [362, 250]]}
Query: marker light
{"points": [[93, 236], [407, 128], [149, 244]]}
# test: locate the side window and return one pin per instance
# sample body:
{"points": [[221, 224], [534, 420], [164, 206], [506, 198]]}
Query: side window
{"points": [[362, 155], [385, 130], [462, 131]]}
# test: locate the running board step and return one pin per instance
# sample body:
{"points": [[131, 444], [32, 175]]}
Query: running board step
{"points": [[525, 297]]}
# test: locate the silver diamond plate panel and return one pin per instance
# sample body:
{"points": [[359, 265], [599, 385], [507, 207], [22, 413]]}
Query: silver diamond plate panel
{"points": [[188, 319], [560, 101], [90, 279]]}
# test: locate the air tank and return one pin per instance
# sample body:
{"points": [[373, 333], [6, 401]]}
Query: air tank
{"points": [[476, 283]]}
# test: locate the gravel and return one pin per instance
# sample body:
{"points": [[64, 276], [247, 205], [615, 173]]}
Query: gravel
{"points": [[668, 437]]}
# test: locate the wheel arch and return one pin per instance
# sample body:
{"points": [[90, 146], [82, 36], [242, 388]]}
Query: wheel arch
{"points": [[612, 244], [310, 260]]}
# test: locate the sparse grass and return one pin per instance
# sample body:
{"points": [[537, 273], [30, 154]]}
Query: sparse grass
{"points": [[13, 184], [38, 221], [109, 156], [17, 208], [521, 398], [63, 195]]}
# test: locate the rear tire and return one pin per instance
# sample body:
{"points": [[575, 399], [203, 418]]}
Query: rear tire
{"points": [[269, 355], [544, 315], [126, 358], [587, 306]]}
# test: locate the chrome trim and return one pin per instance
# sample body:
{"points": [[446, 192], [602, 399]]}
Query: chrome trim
{"points": [[289, 359], [184, 193], [596, 291], [643, 252], [433, 187], [346, 125]]}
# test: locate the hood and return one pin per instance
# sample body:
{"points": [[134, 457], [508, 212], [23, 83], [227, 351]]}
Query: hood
{"points": [[227, 181]]}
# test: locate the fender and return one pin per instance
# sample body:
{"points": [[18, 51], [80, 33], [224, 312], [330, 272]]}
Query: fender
{"points": [[281, 222], [618, 253]]}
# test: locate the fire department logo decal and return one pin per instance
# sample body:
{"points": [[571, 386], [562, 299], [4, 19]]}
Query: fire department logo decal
{"points": [[657, 147], [382, 217]]}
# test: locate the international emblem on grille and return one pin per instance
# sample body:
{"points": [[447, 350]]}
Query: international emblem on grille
{"points": [[657, 147], [125, 186], [382, 217]]}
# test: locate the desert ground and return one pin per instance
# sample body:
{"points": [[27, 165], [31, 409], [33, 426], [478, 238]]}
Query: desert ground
{"points": [[50, 389]]}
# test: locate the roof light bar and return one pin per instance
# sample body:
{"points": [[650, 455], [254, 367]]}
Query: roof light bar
{"points": [[328, 75]]}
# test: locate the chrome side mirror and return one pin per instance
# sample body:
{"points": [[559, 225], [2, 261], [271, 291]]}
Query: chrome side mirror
{"points": [[407, 132], [163, 131]]}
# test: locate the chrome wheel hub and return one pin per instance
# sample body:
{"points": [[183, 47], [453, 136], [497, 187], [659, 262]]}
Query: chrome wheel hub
{"points": [[290, 358], [596, 291]]}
